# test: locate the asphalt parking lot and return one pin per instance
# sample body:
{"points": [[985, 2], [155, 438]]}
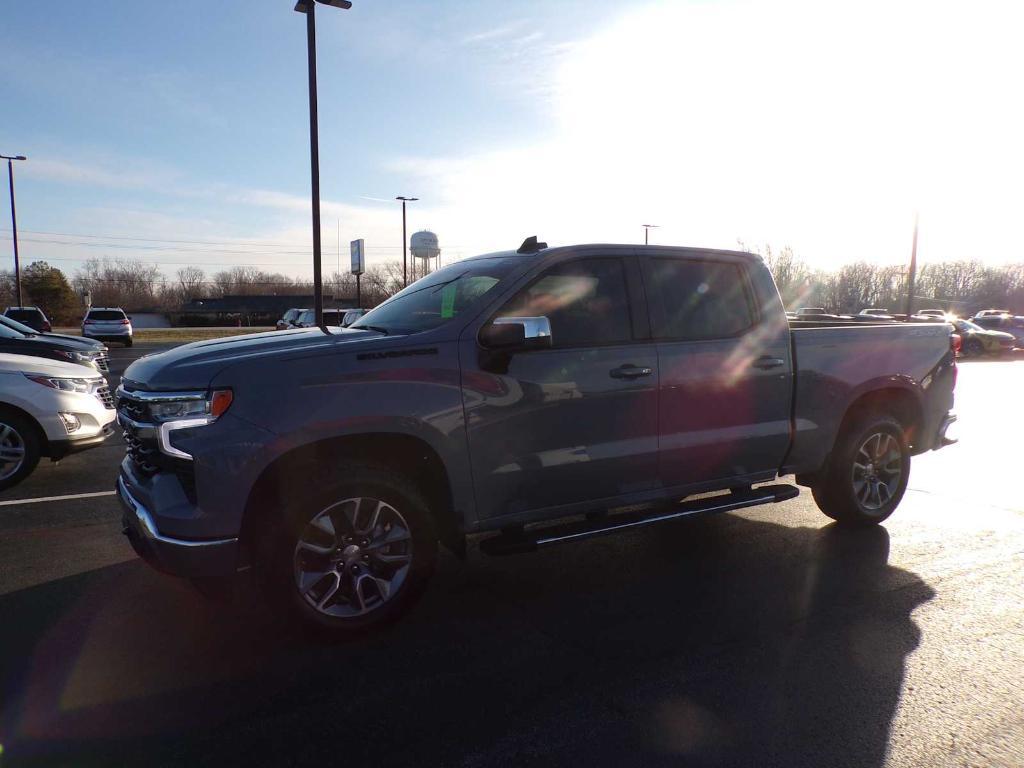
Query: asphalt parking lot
{"points": [[766, 637]]}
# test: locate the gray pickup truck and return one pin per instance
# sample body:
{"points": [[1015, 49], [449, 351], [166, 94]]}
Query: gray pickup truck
{"points": [[542, 395]]}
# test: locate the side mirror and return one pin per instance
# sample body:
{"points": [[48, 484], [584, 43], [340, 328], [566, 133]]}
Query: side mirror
{"points": [[517, 333]]}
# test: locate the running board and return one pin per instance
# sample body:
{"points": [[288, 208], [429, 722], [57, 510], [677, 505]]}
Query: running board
{"points": [[532, 540]]}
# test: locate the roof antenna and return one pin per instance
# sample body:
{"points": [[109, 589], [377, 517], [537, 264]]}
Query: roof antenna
{"points": [[530, 245]]}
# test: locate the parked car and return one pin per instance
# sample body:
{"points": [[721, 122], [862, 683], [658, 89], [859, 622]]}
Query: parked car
{"points": [[979, 341], [815, 311], [507, 392], [102, 359], [881, 314], [48, 408], [991, 313], [107, 324], [33, 317], [52, 346], [307, 318], [288, 319], [939, 314], [351, 315], [1006, 323]]}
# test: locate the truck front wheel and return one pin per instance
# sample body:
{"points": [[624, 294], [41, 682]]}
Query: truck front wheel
{"points": [[867, 473], [356, 554]]}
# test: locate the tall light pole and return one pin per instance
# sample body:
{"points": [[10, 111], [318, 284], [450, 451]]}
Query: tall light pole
{"points": [[14, 220], [405, 241], [647, 230], [308, 7], [913, 272]]}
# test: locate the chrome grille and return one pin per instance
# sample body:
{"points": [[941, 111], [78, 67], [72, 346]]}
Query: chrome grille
{"points": [[104, 396], [143, 453], [103, 362], [135, 410]]}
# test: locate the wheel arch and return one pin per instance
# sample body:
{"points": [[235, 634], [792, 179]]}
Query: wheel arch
{"points": [[900, 400], [410, 455], [44, 442]]}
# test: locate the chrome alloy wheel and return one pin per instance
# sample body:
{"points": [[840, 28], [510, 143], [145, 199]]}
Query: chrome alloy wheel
{"points": [[353, 557], [12, 451], [877, 469]]}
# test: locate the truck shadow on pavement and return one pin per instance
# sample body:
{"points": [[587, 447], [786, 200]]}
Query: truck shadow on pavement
{"points": [[719, 641]]}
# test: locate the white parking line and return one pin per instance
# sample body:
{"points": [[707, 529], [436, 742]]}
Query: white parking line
{"points": [[57, 498]]}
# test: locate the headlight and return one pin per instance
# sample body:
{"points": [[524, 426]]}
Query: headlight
{"points": [[66, 384], [191, 406], [181, 410], [78, 357]]}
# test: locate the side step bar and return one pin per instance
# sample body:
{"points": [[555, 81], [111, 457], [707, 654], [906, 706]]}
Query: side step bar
{"points": [[534, 539]]}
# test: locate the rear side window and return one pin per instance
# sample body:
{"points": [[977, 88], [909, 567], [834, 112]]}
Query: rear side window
{"points": [[585, 301], [106, 314], [693, 300]]}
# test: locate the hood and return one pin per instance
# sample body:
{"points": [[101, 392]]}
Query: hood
{"points": [[193, 366], [44, 367], [76, 341]]}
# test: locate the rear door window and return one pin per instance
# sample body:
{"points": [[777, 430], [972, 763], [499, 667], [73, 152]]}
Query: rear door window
{"points": [[695, 299]]}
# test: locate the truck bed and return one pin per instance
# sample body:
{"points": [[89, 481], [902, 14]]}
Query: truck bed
{"points": [[836, 362]]}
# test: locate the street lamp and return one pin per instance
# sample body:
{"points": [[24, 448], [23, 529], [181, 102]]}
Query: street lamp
{"points": [[647, 230], [14, 220], [405, 242], [308, 7]]}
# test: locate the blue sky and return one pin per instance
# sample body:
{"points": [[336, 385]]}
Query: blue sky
{"points": [[782, 123]]}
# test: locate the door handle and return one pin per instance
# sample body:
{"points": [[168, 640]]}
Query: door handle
{"points": [[765, 363], [630, 371]]}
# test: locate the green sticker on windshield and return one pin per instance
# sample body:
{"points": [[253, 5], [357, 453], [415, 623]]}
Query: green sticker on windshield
{"points": [[448, 301]]}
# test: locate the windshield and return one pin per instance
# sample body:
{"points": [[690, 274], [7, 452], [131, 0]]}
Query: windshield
{"points": [[10, 333], [438, 297], [967, 325]]}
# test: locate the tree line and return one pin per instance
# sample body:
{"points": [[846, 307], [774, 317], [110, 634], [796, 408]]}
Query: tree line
{"points": [[963, 286]]}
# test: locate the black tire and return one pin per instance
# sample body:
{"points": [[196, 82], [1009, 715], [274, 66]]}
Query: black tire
{"points": [[280, 569], [839, 494], [974, 348], [17, 432]]}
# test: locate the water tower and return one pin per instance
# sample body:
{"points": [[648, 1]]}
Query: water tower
{"points": [[424, 247]]}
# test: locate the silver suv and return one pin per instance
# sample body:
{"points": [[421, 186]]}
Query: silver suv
{"points": [[107, 324]]}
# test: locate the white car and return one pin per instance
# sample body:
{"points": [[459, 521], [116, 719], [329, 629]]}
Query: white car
{"points": [[107, 324], [48, 408]]}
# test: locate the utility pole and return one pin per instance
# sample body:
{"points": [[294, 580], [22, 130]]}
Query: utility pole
{"points": [[913, 272], [647, 230], [405, 241], [14, 221], [308, 7]]}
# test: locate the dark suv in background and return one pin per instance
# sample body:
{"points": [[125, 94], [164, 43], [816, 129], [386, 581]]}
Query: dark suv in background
{"points": [[33, 317]]}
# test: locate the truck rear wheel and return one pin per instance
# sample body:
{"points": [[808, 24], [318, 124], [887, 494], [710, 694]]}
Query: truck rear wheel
{"points": [[354, 555], [867, 473]]}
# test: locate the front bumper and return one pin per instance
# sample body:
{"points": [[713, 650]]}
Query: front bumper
{"points": [[179, 557], [58, 449]]}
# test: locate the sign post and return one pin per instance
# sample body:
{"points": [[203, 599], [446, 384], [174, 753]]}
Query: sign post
{"points": [[358, 266]]}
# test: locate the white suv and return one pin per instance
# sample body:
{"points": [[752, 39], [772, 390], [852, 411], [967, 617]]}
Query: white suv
{"points": [[48, 408], [107, 324]]}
